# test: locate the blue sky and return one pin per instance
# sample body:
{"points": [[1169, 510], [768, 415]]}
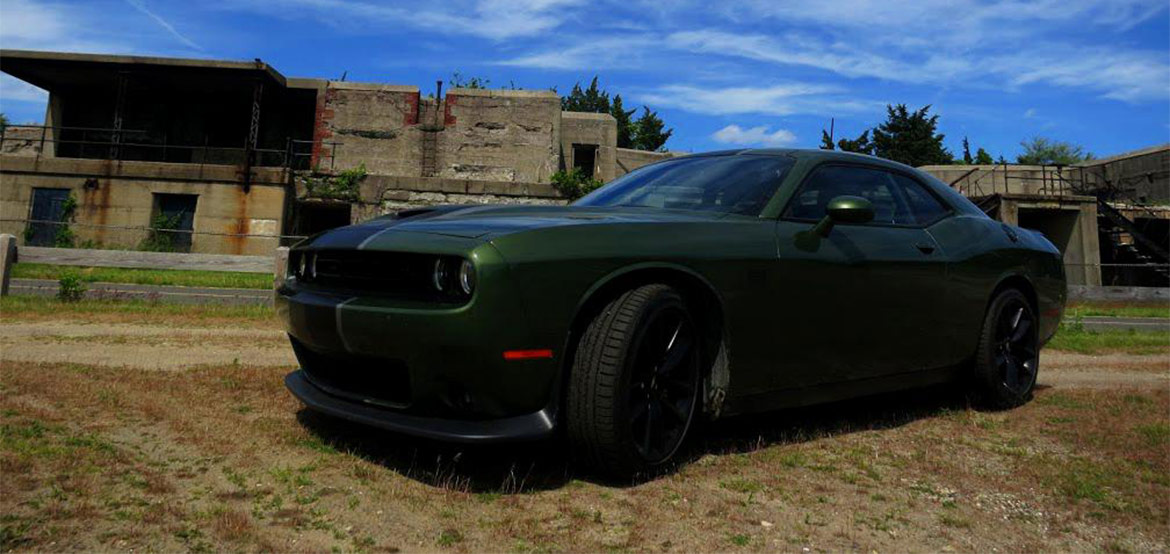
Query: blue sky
{"points": [[725, 74]]}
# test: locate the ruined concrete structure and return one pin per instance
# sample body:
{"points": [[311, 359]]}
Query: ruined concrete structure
{"points": [[180, 130]]}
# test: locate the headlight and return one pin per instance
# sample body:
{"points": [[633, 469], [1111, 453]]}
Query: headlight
{"points": [[439, 278], [467, 277], [301, 271]]}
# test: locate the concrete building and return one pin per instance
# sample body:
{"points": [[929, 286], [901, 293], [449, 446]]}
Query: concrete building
{"points": [[237, 155], [1110, 217]]}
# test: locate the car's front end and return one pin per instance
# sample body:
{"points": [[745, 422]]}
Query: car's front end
{"points": [[417, 332]]}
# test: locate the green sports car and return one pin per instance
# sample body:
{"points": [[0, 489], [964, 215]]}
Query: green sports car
{"points": [[697, 287]]}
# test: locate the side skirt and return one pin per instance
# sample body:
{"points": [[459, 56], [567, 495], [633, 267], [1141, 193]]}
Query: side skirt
{"points": [[834, 392]]}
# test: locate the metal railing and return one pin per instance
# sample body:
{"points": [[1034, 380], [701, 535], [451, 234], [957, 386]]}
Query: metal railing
{"points": [[1054, 180], [139, 145]]}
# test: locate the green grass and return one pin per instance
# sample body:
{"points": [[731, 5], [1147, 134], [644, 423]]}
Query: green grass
{"points": [[44, 306], [1077, 339], [173, 277], [1113, 309]]}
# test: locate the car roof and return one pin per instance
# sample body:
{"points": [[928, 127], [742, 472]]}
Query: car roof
{"points": [[809, 153]]}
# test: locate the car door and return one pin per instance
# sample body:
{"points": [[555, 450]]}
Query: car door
{"points": [[868, 300]]}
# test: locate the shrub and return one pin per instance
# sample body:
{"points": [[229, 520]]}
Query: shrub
{"points": [[574, 184], [159, 239], [70, 288], [346, 185]]}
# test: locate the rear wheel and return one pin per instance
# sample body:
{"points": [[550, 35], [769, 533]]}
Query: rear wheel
{"points": [[634, 385], [1008, 356]]}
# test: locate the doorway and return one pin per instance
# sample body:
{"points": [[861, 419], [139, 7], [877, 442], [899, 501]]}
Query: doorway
{"points": [[47, 216]]}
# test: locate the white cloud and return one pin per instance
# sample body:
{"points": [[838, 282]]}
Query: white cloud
{"points": [[755, 136], [493, 19], [783, 99], [46, 26], [620, 51]]}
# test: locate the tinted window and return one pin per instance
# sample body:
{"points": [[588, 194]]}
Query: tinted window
{"points": [[923, 205], [829, 182], [740, 184]]}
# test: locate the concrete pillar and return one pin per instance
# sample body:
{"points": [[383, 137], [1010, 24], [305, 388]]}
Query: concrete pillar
{"points": [[280, 267], [7, 258]]}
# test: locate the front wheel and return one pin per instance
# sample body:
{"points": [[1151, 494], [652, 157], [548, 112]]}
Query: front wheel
{"points": [[1008, 356], [634, 384]]}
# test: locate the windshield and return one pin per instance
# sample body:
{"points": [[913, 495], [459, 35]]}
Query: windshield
{"points": [[739, 184]]}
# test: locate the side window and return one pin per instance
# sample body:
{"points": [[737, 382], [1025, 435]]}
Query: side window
{"points": [[829, 182], [924, 207]]}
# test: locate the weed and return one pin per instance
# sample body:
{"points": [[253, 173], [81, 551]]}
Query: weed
{"points": [[70, 288], [741, 539], [449, 536]]}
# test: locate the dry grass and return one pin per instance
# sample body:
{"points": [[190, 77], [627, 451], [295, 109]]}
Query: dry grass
{"points": [[222, 458]]}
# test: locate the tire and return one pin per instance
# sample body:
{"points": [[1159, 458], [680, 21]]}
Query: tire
{"points": [[634, 384], [1007, 358]]}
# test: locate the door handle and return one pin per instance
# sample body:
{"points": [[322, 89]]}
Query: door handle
{"points": [[925, 248]]}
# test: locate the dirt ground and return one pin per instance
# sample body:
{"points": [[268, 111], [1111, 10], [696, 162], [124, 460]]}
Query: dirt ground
{"points": [[130, 437]]}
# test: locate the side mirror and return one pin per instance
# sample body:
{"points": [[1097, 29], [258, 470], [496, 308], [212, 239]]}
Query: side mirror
{"points": [[844, 209]]}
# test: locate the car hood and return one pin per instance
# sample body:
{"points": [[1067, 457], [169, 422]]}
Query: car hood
{"points": [[483, 223]]}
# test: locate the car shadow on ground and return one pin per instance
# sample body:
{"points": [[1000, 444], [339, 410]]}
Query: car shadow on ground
{"points": [[524, 467]]}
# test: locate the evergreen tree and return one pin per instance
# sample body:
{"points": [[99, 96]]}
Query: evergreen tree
{"points": [[826, 140], [967, 159], [910, 137], [982, 157], [591, 100], [649, 133], [625, 125], [860, 145]]}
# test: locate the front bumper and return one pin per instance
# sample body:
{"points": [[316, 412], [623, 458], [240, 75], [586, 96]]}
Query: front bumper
{"points": [[533, 426], [422, 365]]}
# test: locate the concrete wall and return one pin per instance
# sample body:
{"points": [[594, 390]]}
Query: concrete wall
{"points": [[984, 180], [371, 124], [1070, 223], [1142, 175], [26, 141], [628, 160], [598, 129], [119, 194], [500, 135]]}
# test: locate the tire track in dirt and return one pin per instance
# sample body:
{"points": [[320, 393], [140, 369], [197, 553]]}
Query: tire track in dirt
{"points": [[142, 346], [172, 348]]}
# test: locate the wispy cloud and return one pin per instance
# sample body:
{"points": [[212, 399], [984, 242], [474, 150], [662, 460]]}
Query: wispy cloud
{"points": [[47, 26], [754, 136], [493, 19], [608, 52], [782, 99], [141, 6]]}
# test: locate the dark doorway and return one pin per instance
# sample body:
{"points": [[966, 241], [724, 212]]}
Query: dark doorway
{"points": [[47, 217], [174, 217], [315, 217], [585, 158]]}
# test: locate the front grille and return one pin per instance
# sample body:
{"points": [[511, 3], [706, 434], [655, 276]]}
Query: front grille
{"points": [[402, 274], [378, 381]]}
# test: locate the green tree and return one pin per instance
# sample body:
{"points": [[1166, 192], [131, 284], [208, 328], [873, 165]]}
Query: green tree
{"points": [[826, 140], [982, 157], [1045, 151], [649, 133], [591, 100], [3, 121], [910, 137], [967, 159], [625, 125], [860, 145]]}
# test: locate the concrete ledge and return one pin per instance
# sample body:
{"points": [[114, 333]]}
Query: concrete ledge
{"points": [[390, 183], [503, 92], [1158, 295], [146, 260], [84, 167]]}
